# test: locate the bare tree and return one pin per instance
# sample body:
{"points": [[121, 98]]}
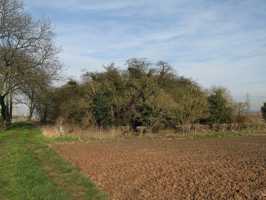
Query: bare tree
{"points": [[27, 53]]}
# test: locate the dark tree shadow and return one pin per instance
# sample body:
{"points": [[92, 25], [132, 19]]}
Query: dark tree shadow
{"points": [[21, 125]]}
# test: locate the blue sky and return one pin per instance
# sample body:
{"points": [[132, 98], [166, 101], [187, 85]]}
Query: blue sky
{"points": [[214, 42]]}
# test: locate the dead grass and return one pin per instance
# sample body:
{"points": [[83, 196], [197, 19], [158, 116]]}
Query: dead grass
{"points": [[81, 134]]}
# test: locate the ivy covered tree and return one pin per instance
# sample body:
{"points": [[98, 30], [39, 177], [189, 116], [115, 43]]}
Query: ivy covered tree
{"points": [[102, 109], [220, 106]]}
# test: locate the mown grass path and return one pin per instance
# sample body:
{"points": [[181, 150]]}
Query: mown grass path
{"points": [[30, 170]]}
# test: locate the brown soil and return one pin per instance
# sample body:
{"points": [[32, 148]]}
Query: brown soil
{"points": [[232, 168]]}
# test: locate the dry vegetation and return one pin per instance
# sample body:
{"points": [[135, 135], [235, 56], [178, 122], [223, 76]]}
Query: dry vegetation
{"points": [[229, 168]]}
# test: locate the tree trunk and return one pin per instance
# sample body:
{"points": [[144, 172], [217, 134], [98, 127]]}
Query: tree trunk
{"points": [[30, 114], [11, 107], [31, 105], [44, 115], [30, 110], [5, 112]]}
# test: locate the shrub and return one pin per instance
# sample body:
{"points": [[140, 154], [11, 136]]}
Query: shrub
{"points": [[220, 107]]}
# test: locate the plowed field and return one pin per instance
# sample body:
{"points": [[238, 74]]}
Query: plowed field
{"points": [[230, 168]]}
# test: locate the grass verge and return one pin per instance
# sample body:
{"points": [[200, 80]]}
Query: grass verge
{"points": [[30, 170]]}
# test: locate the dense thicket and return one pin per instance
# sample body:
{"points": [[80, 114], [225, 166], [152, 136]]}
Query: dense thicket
{"points": [[147, 95]]}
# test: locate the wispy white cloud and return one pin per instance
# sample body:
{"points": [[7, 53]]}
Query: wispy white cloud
{"points": [[85, 4], [213, 42]]}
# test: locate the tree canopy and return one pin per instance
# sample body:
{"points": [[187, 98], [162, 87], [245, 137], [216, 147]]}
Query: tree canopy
{"points": [[142, 95]]}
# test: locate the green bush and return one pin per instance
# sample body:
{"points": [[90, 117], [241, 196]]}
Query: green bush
{"points": [[220, 107]]}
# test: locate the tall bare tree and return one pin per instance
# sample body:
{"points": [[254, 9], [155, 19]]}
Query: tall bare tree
{"points": [[27, 53]]}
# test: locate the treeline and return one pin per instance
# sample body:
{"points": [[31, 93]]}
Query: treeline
{"points": [[144, 94]]}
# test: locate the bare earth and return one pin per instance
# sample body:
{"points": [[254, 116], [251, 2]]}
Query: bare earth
{"points": [[232, 168]]}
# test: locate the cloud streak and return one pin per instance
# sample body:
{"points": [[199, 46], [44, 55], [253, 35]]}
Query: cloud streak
{"points": [[213, 42]]}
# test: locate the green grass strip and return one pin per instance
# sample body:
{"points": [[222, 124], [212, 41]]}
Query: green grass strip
{"points": [[30, 170]]}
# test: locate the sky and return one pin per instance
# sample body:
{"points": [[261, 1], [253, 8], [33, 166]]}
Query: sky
{"points": [[214, 42]]}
